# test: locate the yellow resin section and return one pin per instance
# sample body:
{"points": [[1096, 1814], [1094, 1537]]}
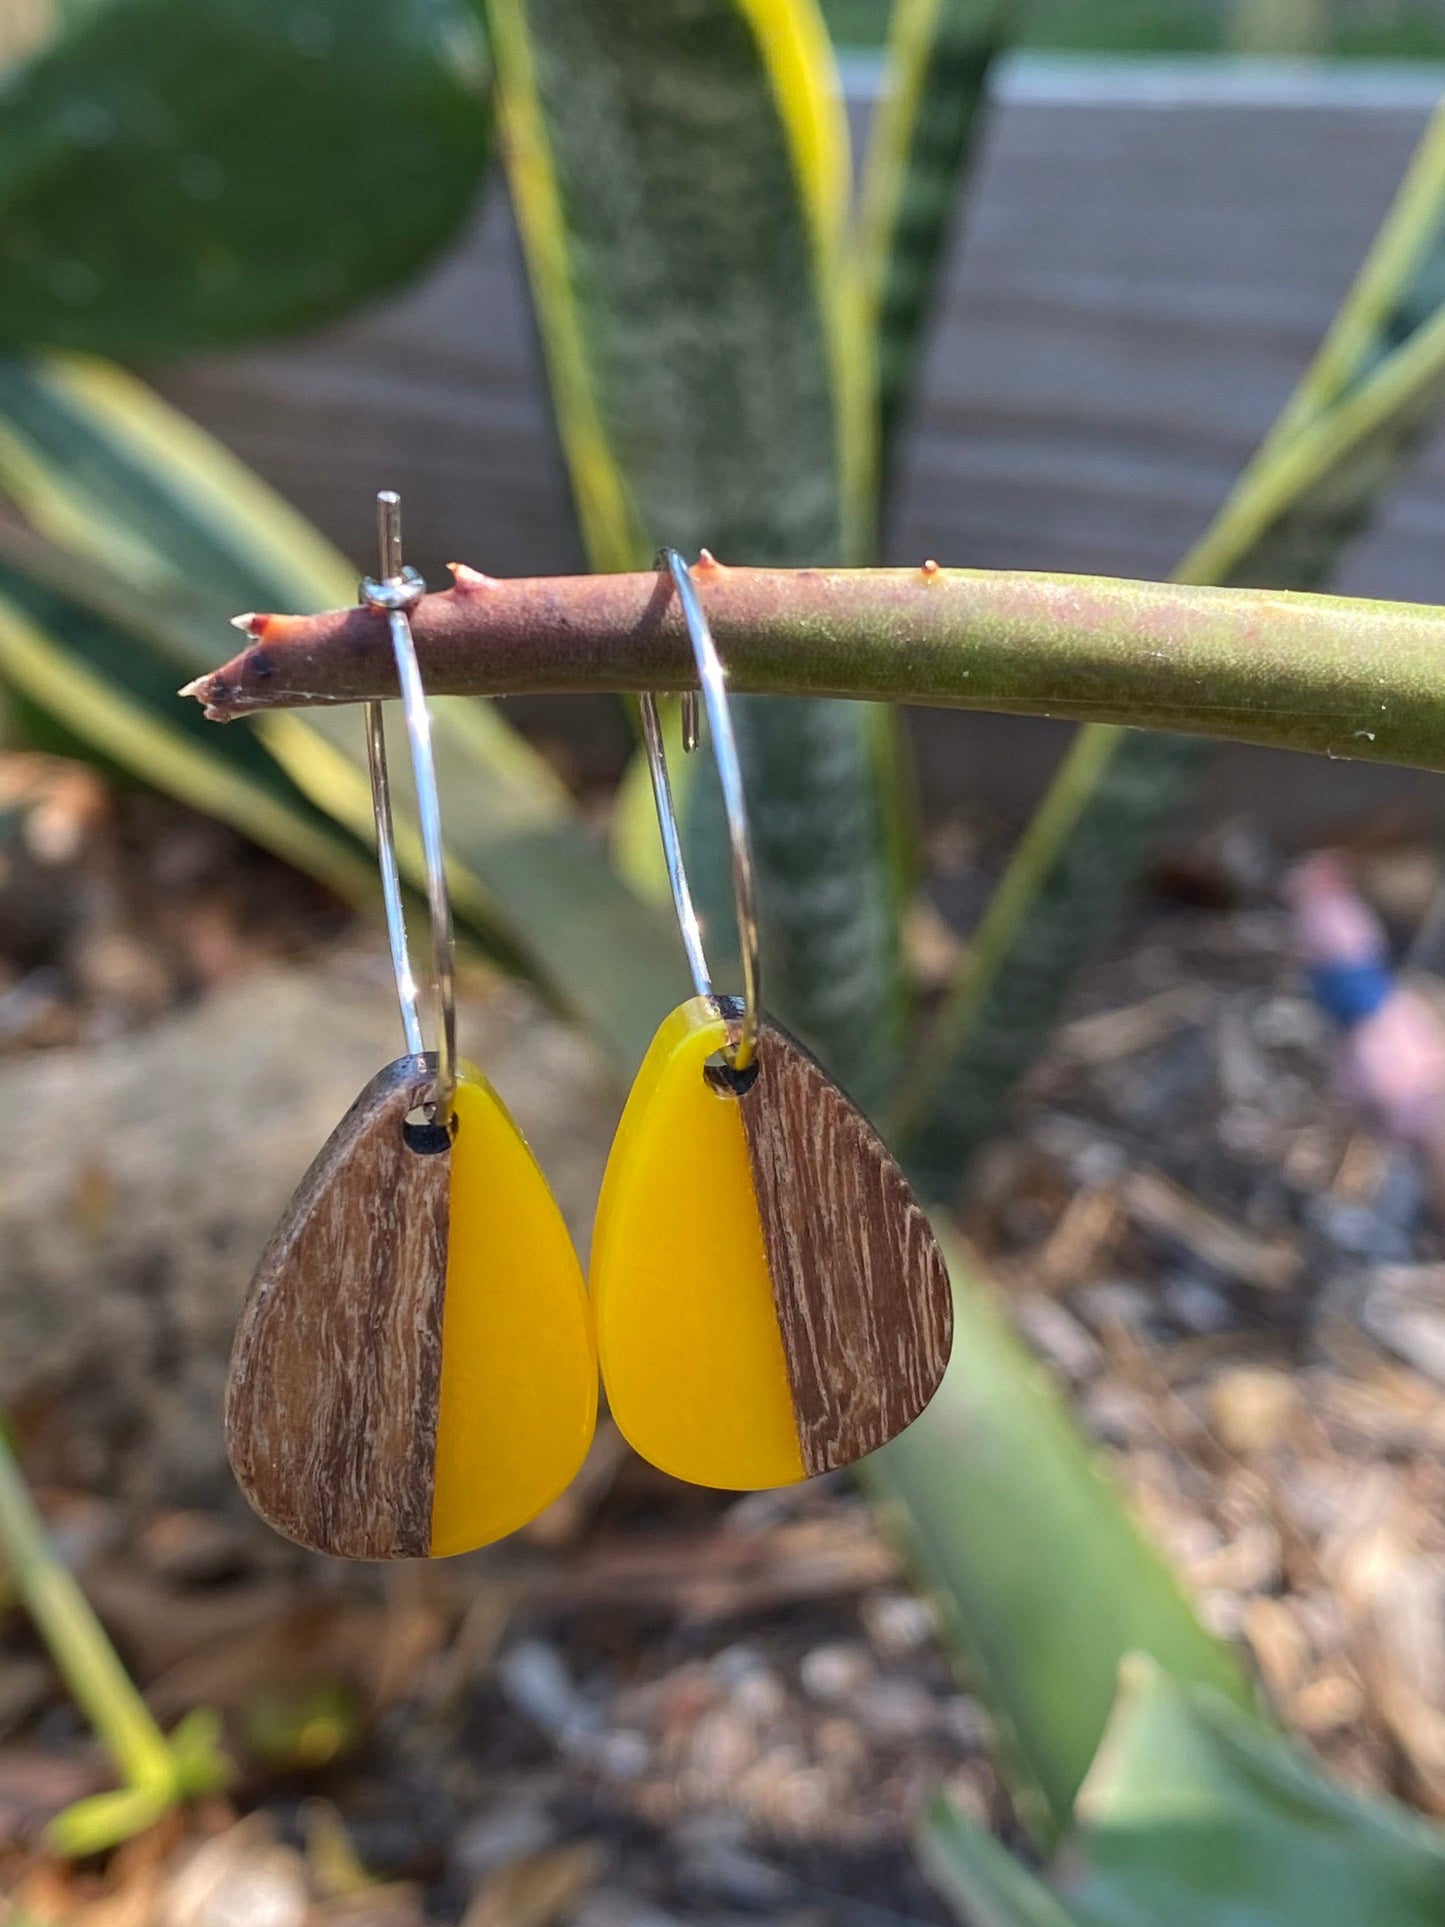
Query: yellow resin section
{"points": [[688, 1338], [518, 1402]]}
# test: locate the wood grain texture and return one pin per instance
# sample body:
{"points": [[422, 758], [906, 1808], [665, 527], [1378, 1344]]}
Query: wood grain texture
{"points": [[859, 1282], [331, 1406]]}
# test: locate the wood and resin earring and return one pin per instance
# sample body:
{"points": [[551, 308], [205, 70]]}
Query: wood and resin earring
{"points": [[770, 1300], [415, 1371]]}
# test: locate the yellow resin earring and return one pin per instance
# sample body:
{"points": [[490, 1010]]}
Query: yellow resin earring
{"points": [[770, 1300], [415, 1371]]}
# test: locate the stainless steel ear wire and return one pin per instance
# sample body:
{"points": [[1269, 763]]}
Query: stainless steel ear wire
{"points": [[712, 682], [395, 595]]}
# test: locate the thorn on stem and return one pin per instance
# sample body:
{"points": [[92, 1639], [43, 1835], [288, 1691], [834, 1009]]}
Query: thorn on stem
{"points": [[250, 624], [930, 570], [214, 694], [468, 580]]}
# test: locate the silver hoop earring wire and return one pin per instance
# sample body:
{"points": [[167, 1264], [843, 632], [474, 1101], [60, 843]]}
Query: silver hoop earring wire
{"points": [[712, 685], [394, 596]]}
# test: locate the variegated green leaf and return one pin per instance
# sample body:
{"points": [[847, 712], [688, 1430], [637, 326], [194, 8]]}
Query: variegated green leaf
{"points": [[1073, 870], [1042, 1580], [114, 689], [102, 467], [681, 179], [925, 130]]}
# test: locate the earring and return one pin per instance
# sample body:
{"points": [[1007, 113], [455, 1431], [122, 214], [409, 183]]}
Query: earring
{"points": [[415, 1371], [770, 1299]]}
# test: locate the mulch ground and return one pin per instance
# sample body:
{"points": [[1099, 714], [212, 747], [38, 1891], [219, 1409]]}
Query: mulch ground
{"points": [[663, 1705]]}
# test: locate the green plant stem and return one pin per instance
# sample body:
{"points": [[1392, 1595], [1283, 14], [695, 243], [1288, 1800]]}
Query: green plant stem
{"points": [[83, 1655], [1328, 674]]}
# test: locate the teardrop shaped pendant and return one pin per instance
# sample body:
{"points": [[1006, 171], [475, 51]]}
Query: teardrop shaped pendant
{"points": [[770, 1299], [414, 1372]]}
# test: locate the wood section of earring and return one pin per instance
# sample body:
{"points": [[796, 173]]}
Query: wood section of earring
{"points": [[770, 1299], [414, 1372]]}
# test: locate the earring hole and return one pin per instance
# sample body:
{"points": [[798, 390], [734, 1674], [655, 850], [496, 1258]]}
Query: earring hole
{"points": [[730, 1082], [422, 1135]]}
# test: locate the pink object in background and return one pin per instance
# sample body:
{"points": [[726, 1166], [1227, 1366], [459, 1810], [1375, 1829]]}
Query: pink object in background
{"points": [[1392, 1054]]}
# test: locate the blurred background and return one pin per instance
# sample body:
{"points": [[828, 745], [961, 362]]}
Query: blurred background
{"points": [[1144, 262], [1176, 1091]]}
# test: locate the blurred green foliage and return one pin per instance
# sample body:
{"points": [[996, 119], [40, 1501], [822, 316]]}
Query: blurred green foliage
{"points": [[178, 177], [1192, 1816]]}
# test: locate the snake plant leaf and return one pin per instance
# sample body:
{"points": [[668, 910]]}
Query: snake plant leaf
{"points": [[176, 177], [1042, 1579], [924, 135], [1314, 490], [101, 467], [1194, 1815], [1400, 286], [980, 1877], [681, 181], [1068, 878], [114, 689], [1358, 415]]}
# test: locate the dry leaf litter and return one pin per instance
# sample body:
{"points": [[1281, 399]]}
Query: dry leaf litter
{"points": [[657, 1704]]}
